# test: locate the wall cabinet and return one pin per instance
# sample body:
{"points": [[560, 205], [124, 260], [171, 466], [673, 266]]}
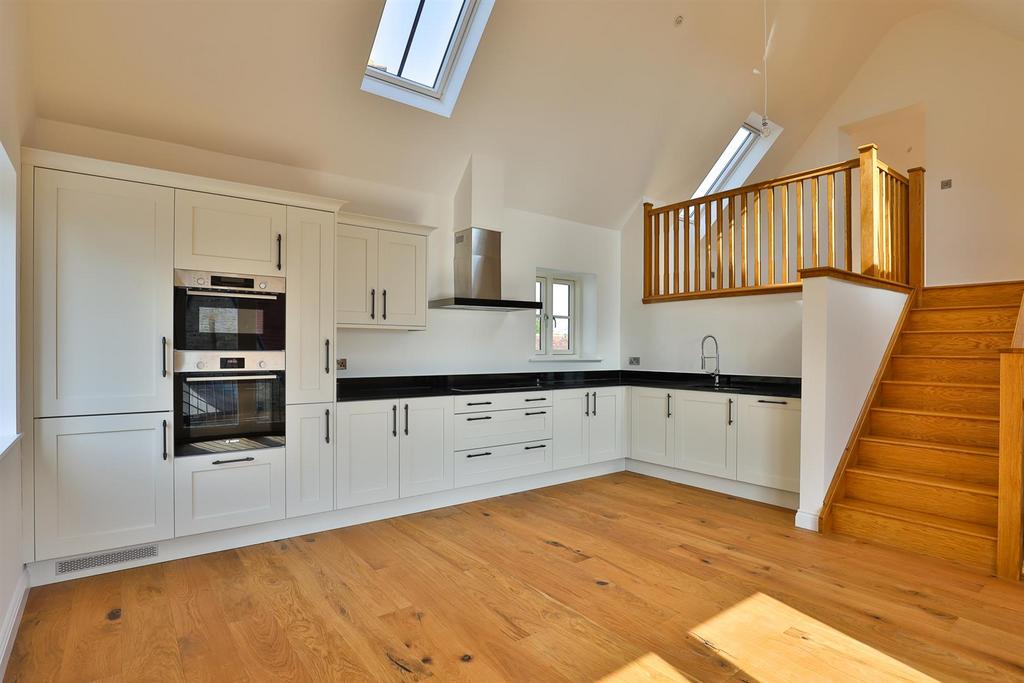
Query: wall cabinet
{"points": [[310, 307], [652, 431], [103, 299], [309, 458], [228, 234], [102, 482], [228, 490], [768, 442], [381, 278], [705, 433], [588, 426]]}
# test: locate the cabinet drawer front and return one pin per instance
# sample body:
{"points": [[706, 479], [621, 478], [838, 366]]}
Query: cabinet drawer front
{"points": [[480, 466], [502, 427], [228, 490], [479, 403]]}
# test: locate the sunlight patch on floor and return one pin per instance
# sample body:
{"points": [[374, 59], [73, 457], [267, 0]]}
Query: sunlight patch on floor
{"points": [[650, 667], [771, 641]]}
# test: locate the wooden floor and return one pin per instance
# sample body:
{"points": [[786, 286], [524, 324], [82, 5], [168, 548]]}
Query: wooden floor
{"points": [[617, 578]]}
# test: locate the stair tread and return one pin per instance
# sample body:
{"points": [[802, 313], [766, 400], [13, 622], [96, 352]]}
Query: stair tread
{"points": [[934, 413], [912, 443], [935, 521], [943, 482], [954, 330], [937, 383], [962, 307]]}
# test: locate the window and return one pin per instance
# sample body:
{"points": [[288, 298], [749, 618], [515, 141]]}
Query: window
{"points": [[734, 152], [8, 301], [423, 49], [556, 326]]}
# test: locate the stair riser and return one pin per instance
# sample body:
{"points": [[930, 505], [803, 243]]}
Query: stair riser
{"points": [[933, 500], [940, 343], [964, 319], [1004, 294], [979, 469], [941, 543], [972, 371], [937, 397], [935, 429]]}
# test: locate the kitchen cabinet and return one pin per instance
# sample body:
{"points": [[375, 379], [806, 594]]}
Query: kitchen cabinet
{"points": [[309, 311], [477, 430], [227, 490], [496, 463], [588, 426], [768, 442], [228, 234], [705, 433], [427, 460], [104, 318], [102, 482], [381, 276], [652, 431], [309, 458]]}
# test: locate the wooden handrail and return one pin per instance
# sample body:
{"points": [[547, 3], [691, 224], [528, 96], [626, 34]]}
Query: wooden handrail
{"points": [[1010, 530], [692, 250]]}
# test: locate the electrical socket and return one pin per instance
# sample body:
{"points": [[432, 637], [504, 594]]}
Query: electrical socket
{"points": [[634, 361], [946, 184], [343, 363]]}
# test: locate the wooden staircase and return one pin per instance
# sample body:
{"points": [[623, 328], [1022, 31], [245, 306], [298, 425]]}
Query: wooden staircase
{"points": [[922, 471]]}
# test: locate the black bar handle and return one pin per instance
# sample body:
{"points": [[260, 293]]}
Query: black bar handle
{"points": [[595, 404], [479, 403], [778, 403], [586, 410], [668, 405], [327, 425], [730, 411], [165, 439], [163, 355], [478, 455], [394, 420], [279, 251], [384, 295], [327, 356], [530, 448], [531, 400], [373, 304], [537, 412], [474, 419], [406, 419], [228, 462]]}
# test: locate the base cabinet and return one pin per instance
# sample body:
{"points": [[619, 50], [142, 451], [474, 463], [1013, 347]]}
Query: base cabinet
{"points": [[588, 426], [426, 455], [102, 482], [309, 459], [705, 433], [367, 456], [652, 429], [213, 492], [768, 443]]}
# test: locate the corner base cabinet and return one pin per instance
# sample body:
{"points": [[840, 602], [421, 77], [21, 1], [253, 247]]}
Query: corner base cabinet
{"points": [[652, 429]]}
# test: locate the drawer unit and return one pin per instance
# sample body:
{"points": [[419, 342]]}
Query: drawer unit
{"points": [[478, 403], [483, 465], [477, 430]]}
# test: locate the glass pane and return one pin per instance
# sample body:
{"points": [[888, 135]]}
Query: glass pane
{"points": [[433, 36], [735, 146], [560, 295], [392, 35], [538, 344], [538, 292], [560, 334]]}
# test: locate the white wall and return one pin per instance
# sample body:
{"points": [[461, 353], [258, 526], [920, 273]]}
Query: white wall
{"points": [[965, 78], [16, 110], [492, 341], [846, 329], [757, 335]]}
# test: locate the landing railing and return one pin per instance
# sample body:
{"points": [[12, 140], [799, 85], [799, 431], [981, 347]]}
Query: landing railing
{"points": [[1010, 528], [757, 239]]}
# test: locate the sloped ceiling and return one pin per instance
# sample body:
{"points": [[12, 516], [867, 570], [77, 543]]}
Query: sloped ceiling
{"points": [[591, 104]]}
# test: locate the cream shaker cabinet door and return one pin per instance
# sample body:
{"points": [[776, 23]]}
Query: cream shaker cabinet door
{"points": [[769, 442], [102, 482], [706, 433], [228, 234], [356, 297], [310, 307], [652, 425], [368, 447], [607, 420], [427, 452], [402, 277], [571, 428], [309, 458], [103, 295]]}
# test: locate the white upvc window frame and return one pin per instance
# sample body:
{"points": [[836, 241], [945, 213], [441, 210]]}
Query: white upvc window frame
{"points": [[547, 317], [442, 97]]}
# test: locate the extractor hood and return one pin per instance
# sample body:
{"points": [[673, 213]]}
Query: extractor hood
{"points": [[478, 274]]}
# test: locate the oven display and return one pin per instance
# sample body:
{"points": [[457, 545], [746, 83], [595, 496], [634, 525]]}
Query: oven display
{"points": [[232, 363]]}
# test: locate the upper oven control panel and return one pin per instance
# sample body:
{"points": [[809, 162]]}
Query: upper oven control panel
{"points": [[228, 361], [228, 282]]}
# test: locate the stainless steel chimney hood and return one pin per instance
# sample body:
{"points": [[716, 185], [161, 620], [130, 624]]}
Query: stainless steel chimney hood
{"points": [[478, 274]]}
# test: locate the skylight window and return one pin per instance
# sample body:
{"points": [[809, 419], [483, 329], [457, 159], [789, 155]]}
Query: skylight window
{"points": [[422, 51], [731, 157]]}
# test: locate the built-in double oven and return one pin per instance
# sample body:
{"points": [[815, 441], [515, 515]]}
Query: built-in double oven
{"points": [[229, 363]]}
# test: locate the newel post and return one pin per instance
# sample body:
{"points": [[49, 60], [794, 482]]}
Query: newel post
{"points": [[647, 248], [1011, 465], [870, 209], [916, 225]]}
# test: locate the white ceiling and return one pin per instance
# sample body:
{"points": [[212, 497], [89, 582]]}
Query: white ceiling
{"points": [[591, 104]]}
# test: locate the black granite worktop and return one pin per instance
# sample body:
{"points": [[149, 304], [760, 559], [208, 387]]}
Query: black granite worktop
{"points": [[372, 388]]}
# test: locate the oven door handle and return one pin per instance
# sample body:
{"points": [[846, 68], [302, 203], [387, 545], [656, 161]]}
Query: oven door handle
{"points": [[229, 378], [231, 295]]}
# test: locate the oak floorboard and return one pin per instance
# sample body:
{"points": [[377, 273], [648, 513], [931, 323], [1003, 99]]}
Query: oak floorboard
{"points": [[617, 578]]}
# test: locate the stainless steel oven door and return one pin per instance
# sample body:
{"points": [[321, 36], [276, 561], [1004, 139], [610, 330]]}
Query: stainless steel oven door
{"points": [[218, 312]]}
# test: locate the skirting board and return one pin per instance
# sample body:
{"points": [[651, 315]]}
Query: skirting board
{"points": [[42, 573], [9, 627], [807, 520], [740, 489]]}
